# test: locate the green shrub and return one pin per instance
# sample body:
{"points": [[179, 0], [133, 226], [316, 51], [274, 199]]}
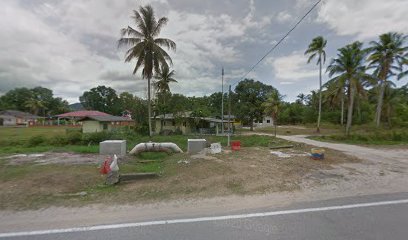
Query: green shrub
{"points": [[58, 140], [74, 137], [36, 140], [97, 137]]}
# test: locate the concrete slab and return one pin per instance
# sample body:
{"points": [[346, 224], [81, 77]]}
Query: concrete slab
{"points": [[110, 147], [196, 145]]}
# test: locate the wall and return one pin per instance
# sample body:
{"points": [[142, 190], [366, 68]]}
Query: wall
{"points": [[264, 122], [91, 126], [185, 128], [8, 120]]}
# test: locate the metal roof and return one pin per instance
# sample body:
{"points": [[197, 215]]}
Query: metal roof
{"points": [[83, 114], [108, 118], [19, 114]]}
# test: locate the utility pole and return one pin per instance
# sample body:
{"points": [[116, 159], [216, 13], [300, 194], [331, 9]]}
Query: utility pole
{"points": [[222, 101], [229, 115]]}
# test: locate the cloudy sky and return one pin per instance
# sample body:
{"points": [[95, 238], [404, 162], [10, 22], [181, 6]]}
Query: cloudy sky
{"points": [[70, 46]]}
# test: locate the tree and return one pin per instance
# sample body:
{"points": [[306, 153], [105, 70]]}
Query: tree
{"points": [[34, 105], [386, 58], [102, 99], [301, 98], [349, 68], [272, 105], [316, 49], [249, 96], [164, 77], [335, 93], [146, 46]]}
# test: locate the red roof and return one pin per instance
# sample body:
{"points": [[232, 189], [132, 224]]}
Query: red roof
{"points": [[83, 114]]}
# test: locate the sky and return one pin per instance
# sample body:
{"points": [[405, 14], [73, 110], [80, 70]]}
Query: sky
{"points": [[70, 46]]}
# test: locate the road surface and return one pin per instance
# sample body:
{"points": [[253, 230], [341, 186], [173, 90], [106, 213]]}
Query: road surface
{"points": [[364, 217]]}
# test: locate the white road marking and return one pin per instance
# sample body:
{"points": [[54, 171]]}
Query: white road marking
{"points": [[201, 219]]}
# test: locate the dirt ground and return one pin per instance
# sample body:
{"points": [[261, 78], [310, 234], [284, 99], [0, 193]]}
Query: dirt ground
{"points": [[39, 180]]}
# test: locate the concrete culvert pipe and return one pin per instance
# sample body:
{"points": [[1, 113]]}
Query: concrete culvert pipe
{"points": [[155, 147]]}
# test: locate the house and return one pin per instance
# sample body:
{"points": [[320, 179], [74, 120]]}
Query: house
{"points": [[74, 116], [91, 124], [187, 124], [235, 121], [14, 117], [264, 122]]}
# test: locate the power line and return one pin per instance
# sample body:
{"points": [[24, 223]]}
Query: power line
{"points": [[279, 42]]}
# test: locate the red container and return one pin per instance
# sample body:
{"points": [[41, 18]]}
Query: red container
{"points": [[236, 145]]}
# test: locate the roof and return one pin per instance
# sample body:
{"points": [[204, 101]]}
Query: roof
{"points": [[108, 118], [81, 114], [18, 114], [169, 116], [215, 120]]}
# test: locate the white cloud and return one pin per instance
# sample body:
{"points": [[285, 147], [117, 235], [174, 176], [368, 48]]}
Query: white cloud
{"points": [[292, 68], [283, 16], [364, 18]]}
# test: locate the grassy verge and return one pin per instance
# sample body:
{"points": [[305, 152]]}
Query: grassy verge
{"points": [[371, 136], [302, 129]]}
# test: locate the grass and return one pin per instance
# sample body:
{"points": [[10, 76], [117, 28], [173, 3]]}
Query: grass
{"points": [[37, 139], [307, 129], [368, 135]]}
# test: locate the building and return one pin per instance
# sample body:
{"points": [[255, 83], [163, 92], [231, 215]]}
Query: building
{"points": [[14, 117], [91, 124], [265, 122], [186, 124]]}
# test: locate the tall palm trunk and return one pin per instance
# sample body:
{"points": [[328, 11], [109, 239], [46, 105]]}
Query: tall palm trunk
{"points": [[379, 104], [320, 93], [342, 108], [149, 107], [350, 110]]}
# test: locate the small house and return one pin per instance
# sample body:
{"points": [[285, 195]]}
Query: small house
{"points": [[264, 122], [186, 124], [91, 124], [14, 117]]}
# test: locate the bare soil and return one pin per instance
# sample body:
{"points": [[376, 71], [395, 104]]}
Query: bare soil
{"points": [[60, 178]]}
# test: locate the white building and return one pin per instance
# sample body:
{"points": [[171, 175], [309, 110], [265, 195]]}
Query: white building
{"points": [[265, 122]]}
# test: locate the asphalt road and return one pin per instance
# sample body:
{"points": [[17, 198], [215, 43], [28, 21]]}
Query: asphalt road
{"points": [[364, 217]]}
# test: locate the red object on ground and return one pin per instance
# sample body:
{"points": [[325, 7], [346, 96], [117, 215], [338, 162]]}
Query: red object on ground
{"points": [[105, 168], [236, 145]]}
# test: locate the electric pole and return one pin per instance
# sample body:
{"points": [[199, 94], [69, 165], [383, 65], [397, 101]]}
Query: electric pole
{"points": [[222, 101], [229, 115]]}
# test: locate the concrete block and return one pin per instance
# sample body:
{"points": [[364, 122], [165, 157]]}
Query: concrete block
{"points": [[110, 147], [196, 145], [215, 148]]}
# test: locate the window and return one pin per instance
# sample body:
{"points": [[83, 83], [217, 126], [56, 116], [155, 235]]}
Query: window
{"points": [[105, 126], [184, 124], [268, 121]]}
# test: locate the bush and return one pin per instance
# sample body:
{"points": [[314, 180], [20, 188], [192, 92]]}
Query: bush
{"points": [[97, 137], [142, 129], [36, 140], [58, 140], [74, 137]]}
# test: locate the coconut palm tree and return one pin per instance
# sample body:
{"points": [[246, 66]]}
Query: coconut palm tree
{"points": [[335, 92], [386, 58], [145, 46], [164, 77], [316, 49], [349, 69], [272, 105], [34, 105]]}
